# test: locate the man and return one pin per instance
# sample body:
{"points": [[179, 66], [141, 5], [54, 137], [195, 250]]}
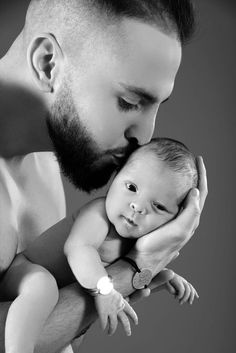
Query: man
{"points": [[85, 79]]}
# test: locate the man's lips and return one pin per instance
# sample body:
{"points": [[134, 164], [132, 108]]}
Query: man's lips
{"points": [[122, 153]]}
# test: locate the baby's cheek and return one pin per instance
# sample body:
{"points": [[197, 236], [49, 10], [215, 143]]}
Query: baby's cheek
{"points": [[158, 221]]}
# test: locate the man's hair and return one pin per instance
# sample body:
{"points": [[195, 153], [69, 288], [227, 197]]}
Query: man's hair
{"points": [[174, 153], [67, 16], [177, 15]]}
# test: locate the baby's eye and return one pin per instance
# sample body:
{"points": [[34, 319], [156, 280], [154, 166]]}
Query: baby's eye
{"points": [[131, 187], [159, 206]]}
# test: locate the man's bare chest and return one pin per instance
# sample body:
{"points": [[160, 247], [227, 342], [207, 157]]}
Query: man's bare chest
{"points": [[31, 197]]}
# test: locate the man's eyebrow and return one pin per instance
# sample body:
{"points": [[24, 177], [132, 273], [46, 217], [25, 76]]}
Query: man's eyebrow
{"points": [[165, 100], [142, 93]]}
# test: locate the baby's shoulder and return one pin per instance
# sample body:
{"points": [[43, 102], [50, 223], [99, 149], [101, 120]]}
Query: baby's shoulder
{"points": [[95, 212], [96, 206]]}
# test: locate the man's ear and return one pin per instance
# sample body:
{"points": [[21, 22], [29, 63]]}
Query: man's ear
{"points": [[44, 56]]}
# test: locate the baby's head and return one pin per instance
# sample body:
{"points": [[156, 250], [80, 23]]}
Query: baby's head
{"points": [[150, 188]]}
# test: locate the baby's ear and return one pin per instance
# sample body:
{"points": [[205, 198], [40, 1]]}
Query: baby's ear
{"points": [[45, 57]]}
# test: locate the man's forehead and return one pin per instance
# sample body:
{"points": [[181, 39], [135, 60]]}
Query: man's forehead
{"points": [[135, 29], [151, 59]]}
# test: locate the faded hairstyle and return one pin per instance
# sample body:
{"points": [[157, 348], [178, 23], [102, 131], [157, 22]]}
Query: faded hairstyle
{"points": [[66, 17]]}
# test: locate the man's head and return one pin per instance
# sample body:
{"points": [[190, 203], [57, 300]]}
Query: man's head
{"points": [[150, 189], [106, 67]]}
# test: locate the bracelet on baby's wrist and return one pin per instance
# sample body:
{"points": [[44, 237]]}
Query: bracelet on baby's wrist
{"points": [[104, 287]]}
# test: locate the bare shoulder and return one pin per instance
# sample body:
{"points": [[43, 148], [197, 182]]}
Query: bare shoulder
{"points": [[95, 208], [48, 168], [91, 224], [31, 197], [47, 176], [8, 230]]}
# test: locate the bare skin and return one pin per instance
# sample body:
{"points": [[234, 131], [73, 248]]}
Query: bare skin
{"points": [[32, 196]]}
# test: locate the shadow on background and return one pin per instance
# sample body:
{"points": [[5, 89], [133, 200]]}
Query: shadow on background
{"points": [[201, 113]]}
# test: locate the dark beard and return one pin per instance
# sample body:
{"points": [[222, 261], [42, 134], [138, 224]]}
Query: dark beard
{"points": [[79, 157]]}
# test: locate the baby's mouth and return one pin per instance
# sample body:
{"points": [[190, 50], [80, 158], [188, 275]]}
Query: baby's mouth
{"points": [[130, 221]]}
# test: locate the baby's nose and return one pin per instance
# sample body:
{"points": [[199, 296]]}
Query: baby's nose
{"points": [[137, 208]]}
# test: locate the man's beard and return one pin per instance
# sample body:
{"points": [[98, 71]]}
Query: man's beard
{"points": [[79, 157]]}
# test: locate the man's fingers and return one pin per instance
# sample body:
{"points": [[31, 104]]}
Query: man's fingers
{"points": [[103, 320], [188, 220], [124, 322], [193, 294], [186, 293], [161, 278], [138, 295], [130, 312], [171, 289], [112, 324], [178, 284], [202, 184], [175, 255]]}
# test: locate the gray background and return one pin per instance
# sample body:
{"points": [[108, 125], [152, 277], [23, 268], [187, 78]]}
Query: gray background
{"points": [[201, 114]]}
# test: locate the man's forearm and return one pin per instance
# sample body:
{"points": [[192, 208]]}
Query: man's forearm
{"points": [[122, 274], [73, 313], [75, 310], [4, 306]]}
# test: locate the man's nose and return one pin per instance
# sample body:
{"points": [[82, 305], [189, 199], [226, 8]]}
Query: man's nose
{"points": [[137, 208], [143, 128]]}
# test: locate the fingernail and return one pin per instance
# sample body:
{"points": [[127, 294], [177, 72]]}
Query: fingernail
{"points": [[195, 192]]}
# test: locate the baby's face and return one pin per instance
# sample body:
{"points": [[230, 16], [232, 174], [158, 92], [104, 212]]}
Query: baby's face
{"points": [[144, 195]]}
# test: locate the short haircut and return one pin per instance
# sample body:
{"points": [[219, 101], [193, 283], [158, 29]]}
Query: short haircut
{"points": [[67, 16], [177, 15], [174, 153]]}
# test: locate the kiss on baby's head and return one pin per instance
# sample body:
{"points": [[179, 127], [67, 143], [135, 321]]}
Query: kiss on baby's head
{"points": [[150, 188]]}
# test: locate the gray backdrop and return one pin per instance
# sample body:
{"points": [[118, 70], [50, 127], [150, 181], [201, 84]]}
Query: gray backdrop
{"points": [[201, 114]]}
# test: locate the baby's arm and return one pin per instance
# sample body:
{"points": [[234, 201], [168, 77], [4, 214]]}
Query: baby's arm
{"points": [[81, 249], [35, 294], [181, 289]]}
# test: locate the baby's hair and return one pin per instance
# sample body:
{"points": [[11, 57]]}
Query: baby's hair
{"points": [[175, 154]]}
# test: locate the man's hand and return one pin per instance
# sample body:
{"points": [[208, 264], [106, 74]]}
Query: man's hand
{"points": [[158, 283], [157, 249], [170, 281], [181, 289], [112, 307]]}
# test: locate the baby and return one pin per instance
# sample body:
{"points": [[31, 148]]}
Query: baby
{"points": [[146, 193]]}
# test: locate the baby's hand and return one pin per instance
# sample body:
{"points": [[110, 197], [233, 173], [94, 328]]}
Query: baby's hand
{"points": [[112, 307], [181, 289]]}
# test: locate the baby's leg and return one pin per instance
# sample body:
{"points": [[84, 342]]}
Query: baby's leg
{"points": [[35, 292]]}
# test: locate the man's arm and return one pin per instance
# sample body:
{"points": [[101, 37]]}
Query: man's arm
{"points": [[75, 310]]}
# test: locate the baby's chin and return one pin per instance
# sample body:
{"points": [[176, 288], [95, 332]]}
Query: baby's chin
{"points": [[128, 233]]}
